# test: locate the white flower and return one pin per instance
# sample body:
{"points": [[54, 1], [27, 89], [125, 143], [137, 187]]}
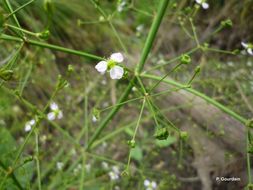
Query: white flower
{"points": [[94, 119], [114, 174], [55, 112], [116, 72], [150, 185], [105, 165], [121, 6], [203, 3], [29, 124], [59, 165], [248, 47]]}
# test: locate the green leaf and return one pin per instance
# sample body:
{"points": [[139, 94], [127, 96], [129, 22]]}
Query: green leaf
{"points": [[167, 142], [136, 153]]}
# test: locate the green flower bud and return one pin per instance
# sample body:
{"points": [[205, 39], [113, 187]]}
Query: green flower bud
{"points": [[227, 23], [161, 133], [6, 74], [131, 143], [185, 59], [62, 83], [184, 135], [44, 35]]}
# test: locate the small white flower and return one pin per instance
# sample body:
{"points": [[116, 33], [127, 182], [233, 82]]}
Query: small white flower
{"points": [[29, 124], [116, 72], [121, 6], [88, 167], [203, 3], [77, 169], [94, 119], [248, 47], [105, 165], [59, 165], [150, 185], [55, 112], [114, 173]]}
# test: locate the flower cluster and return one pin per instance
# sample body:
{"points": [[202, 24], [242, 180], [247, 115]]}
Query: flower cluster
{"points": [[29, 125], [116, 71], [203, 3], [150, 185], [248, 47], [55, 113], [114, 174]]}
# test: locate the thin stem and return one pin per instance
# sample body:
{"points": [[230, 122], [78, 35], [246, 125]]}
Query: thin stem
{"points": [[194, 32], [7, 3], [20, 8], [52, 47], [248, 158], [37, 158], [172, 70]]}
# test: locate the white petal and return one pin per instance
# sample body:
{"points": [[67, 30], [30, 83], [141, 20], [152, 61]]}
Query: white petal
{"points": [[60, 115], [146, 182], [101, 66], [198, 1], [244, 45], [249, 50], [51, 116], [205, 5], [94, 119], [117, 57], [32, 122], [54, 106], [153, 184], [28, 127], [116, 72]]}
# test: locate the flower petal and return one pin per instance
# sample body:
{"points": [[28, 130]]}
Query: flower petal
{"points": [[117, 57], [146, 182], [51, 116], [205, 5], [60, 115], [54, 106], [101, 66], [28, 127], [32, 122], [116, 72], [249, 50], [245, 45], [198, 1], [153, 184]]}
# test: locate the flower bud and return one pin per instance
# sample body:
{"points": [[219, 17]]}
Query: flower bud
{"points": [[6, 74], [184, 135], [131, 143], [185, 59], [44, 35], [161, 133], [227, 23]]}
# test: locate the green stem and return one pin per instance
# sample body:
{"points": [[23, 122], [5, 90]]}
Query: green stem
{"points": [[147, 48], [50, 46], [37, 158], [7, 3], [203, 96], [18, 9], [248, 158]]}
